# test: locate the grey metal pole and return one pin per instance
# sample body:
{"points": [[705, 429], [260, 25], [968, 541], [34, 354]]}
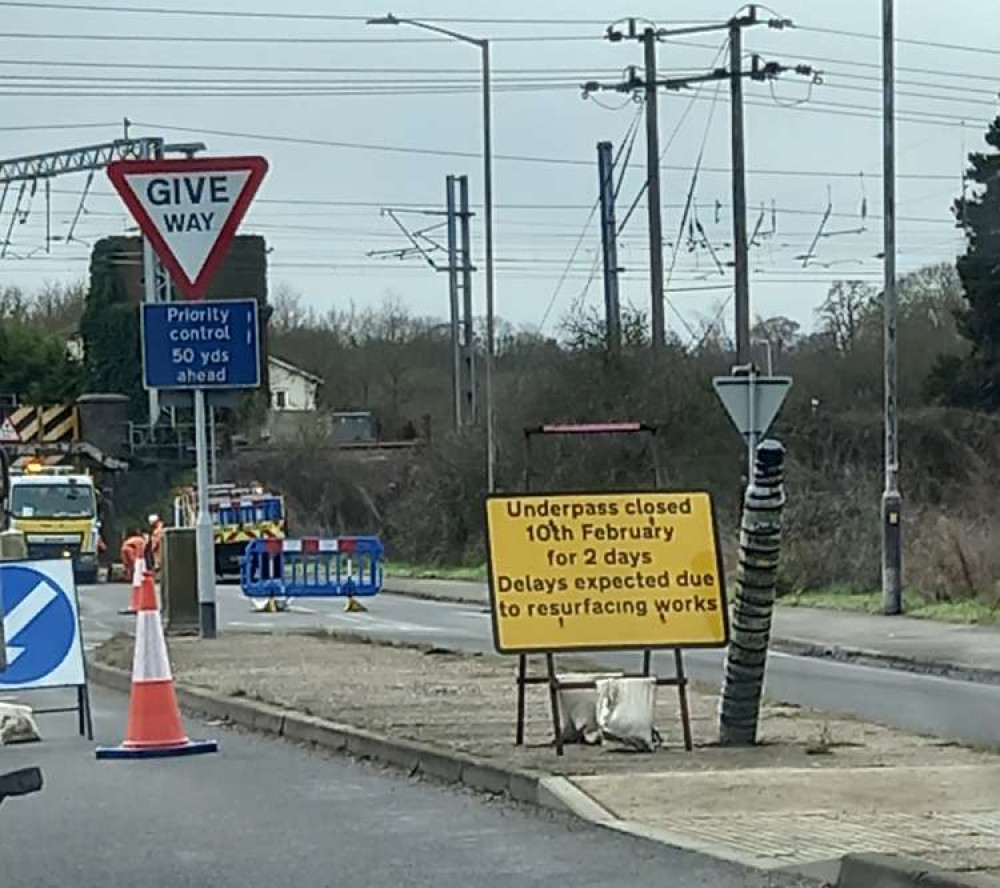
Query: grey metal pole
{"points": [[657, 321], [150, 294], [484, 48], [456, 355], [752, 422], [609, 245], [741, 269], [212, 456], [770, 355], [892, 551], [204, 541], [469, 332], [491, 455]]}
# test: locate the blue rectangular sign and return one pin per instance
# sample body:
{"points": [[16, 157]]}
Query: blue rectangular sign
{"points": [[201, 345]]}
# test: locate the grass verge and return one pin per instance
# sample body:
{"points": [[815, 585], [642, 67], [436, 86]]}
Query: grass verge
{"points": [[967, 611], [471, 573]]}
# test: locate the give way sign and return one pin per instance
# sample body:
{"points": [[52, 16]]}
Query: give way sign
{"points": [[189, 209]]}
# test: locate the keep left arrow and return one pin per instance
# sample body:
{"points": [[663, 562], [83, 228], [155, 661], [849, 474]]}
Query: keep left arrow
{"points": [[23, 615]]}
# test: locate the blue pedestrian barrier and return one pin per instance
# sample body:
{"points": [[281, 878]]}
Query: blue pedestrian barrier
{"points": [[344, 567]]}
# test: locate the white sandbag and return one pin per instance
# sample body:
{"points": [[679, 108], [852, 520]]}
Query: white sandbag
{"points": [[17, 724], [625, 711], [578, 709]]}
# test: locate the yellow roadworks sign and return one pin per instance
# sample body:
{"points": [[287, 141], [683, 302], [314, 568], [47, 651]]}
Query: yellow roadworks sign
{"points": [[605, 571]]}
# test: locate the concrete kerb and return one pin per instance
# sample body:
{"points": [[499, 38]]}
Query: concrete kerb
{"points": [[457, 598], [885, 871], [799, 648], [410, 756], [881, 660], [548, 791]]}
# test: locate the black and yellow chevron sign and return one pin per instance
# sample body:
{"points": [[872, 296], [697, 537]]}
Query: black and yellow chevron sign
{"points": [[54, 424]]}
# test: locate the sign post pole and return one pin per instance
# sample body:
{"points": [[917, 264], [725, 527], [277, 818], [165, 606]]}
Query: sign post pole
{"points": [[204, 533], [752, 431], [188, 211]]}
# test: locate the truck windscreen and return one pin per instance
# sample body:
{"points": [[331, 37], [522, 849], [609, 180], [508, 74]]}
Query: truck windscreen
{"points": [[52, 501]]}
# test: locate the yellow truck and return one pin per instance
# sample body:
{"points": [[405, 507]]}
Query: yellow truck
{"points": [[56, 508]]}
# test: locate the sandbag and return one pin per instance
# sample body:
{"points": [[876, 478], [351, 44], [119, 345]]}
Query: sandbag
{"points": [[578, 709], [625, 712], [17, 724]]}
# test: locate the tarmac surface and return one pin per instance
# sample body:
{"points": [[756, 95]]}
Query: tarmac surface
{"points": [[267, 814], [948, 708]]}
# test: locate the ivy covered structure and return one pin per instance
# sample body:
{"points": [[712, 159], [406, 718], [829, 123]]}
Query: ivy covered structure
{"points": [[110, 324]]}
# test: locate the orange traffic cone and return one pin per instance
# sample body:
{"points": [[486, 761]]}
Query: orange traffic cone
{"points": [[138, 572], [155, 729]]}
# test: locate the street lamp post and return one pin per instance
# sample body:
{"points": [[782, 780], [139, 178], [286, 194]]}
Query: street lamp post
{"points": [[484, 48], [770, 356]]}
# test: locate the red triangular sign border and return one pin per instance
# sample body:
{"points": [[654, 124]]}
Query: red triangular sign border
{"points": [[118, 173]]}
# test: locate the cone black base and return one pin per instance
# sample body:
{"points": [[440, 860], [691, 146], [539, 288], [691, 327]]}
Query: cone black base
{"points": [[194, 747]]}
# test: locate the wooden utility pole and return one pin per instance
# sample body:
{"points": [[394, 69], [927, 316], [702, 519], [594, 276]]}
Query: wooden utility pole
{"points": [[609, 245], [741, 269]]}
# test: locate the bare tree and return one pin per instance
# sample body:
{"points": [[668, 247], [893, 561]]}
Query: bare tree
{"points": [[779, 332], [842, 316]]}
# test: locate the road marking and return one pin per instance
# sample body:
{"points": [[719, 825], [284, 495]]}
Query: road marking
{"points": [[21, 617]]}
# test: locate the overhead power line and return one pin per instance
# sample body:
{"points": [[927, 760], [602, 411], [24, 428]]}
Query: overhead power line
{"points": [[169, 66], [273, 15], [53, 84], [575, 72], [518, 207], [854, 63], [298, 16], [296, 41], [518, 158], [908, 41], [54, 126]]}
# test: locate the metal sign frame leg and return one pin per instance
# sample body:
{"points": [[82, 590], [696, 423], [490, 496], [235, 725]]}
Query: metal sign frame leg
{"points": [[522, 674], [553, 681], [682, 684], [86, 715], [679, 679]]}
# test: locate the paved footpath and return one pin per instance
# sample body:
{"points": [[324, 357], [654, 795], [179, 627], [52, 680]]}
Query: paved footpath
{"points": [[925, 646]]}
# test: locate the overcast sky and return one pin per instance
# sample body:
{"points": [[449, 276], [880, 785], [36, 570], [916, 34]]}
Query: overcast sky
{"points": [[320, 206]]}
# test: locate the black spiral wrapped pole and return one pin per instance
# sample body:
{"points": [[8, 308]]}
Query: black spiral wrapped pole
{"points": [[753, 608]]}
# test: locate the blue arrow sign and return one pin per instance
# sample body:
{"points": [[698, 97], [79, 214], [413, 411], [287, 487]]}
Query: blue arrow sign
{"points": [[41, 626], [201, 345]]}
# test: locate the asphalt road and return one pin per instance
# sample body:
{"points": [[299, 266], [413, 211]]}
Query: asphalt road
{"points": [[946, 708], [265, 814]]}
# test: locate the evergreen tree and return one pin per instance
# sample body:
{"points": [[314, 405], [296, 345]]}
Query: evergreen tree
{"points": [[110, 327], [974, 380], [35, 366]]}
